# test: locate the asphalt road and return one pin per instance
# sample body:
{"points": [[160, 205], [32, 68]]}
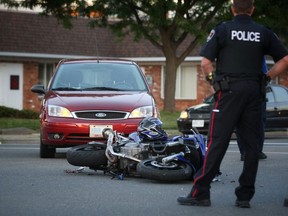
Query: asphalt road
{"points": [[33, 186]]}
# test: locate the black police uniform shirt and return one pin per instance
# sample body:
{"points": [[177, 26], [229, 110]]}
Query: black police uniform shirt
{"points": [[241, 43]]}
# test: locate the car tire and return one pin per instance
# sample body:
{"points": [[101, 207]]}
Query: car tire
{"points": [[46, 151]]}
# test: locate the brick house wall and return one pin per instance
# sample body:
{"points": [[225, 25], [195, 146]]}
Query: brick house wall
{"points": [[30, 99], [203, 88], [155, 72]]}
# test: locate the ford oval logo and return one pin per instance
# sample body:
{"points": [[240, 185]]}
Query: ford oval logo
{"points": [[100, 115]]}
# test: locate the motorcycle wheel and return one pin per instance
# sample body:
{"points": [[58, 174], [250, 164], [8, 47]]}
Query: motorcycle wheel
{"points": [[86, 155], [169, 172]]}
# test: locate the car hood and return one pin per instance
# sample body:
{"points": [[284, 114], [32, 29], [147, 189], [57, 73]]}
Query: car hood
{"points": [[104, 101], [199, 107]]}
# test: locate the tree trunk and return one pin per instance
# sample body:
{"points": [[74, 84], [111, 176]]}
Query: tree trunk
{"points": [[170, 82]]}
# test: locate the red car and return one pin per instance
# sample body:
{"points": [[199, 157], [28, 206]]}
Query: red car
{"points": [[86, 96]]}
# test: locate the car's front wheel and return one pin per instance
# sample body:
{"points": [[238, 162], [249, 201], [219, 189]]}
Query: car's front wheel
{"points": [[46, 151]]}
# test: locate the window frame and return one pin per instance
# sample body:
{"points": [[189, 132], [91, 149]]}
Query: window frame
{"points": [[179, 75], [47, 73]]}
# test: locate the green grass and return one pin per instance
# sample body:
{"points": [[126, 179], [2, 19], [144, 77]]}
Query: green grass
{"points": [[168, 119], [6, 123]]}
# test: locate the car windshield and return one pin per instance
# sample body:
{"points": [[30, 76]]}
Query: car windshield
{"points": [[98, 77], [209, 99]]}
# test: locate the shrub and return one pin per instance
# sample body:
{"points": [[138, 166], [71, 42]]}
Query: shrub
{"points": [[7, 112]]}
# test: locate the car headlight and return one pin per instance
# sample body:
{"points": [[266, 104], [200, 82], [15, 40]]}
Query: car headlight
{"points": [[141, 112], [184, 115], [59, 111]]}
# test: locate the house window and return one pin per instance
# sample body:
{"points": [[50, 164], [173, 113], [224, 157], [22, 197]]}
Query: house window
{"points": [[186, 83], [45, 73], [14, 82]]}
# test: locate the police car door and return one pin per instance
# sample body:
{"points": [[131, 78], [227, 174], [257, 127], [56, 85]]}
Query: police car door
{"points": [[277, 107]]}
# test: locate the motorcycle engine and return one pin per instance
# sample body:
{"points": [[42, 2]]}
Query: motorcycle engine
{"points": [[133, 149]]}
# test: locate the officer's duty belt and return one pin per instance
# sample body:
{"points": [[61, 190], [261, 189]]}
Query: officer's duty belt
{"points": [[224, 84]]}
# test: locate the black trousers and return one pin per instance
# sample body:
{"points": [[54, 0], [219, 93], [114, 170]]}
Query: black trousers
{"points": [[238, 107], [262, 131]]}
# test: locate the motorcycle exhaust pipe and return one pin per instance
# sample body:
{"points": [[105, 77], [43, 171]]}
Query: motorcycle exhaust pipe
{"points": [[174, 143], [110, 136], [172, 157], [106, 132]]}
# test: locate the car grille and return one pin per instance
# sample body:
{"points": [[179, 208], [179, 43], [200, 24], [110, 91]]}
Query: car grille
{"points": [[200, 115], [101, 115]]}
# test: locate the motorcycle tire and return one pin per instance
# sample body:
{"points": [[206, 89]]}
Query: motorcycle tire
{"points": [[171, 172], [86, 155]]}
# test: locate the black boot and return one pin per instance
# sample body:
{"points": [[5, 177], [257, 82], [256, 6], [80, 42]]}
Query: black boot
{"points": [[242, 204], [286, 202], [244, 195], [204, 200], [262, 156]]}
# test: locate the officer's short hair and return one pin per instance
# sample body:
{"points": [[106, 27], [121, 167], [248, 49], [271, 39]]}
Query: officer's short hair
{"points": [[243, 6]]}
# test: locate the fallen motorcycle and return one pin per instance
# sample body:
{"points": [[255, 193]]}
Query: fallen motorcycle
{"points": [[147, 153]]}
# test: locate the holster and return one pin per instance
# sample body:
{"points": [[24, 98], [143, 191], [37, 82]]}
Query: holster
{"points": [[222, 85]]}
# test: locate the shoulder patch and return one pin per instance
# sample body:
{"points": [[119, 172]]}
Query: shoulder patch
{"points": [[212, 33]]}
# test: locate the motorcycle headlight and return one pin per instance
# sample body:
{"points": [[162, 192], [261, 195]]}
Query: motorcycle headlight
{"points": [[184, 115], [142, 112], [58, 111]]}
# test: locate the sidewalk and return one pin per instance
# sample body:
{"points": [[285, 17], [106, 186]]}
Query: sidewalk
{"points": [[18, 135]]}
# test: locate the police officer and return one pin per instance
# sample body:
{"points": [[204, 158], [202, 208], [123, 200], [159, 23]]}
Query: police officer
{"points": [[238, 46]]}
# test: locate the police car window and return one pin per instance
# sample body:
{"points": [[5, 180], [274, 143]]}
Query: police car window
{"points": [[281, 94], [209, 99], [269, 95]]}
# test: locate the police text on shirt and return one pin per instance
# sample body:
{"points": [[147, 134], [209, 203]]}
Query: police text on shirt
{"points": [[245, 36]]}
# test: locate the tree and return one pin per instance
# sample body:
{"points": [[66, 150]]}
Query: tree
{"points": [[168, 25], [272, 13], [174, 26]]}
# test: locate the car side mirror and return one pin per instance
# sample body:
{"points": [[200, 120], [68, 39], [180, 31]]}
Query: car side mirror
{"points": [[39, 89]]}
